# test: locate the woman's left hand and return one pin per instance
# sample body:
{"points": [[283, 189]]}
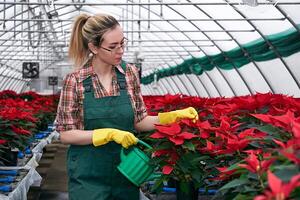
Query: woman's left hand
{"points": [[174, 116]]}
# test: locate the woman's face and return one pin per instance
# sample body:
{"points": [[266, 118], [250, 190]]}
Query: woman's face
{"points": [[112, 48]]}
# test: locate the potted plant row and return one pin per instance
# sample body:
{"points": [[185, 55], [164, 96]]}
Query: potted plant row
{"points": [[242, 147], [21, 116]]}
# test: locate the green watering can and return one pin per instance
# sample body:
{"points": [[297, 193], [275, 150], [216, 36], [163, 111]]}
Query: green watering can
{"points": [[135, 165]]}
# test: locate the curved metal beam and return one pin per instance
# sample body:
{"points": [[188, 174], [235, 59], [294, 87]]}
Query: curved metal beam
{"points": [[189, 82], [177, 84], [137, 4], [169, 90], [200, 47], [246, 53], [200, 81], [271, 46], [169, 85]]}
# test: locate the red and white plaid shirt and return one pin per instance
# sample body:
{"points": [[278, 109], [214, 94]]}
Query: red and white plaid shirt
{"points": [[70, 109]]}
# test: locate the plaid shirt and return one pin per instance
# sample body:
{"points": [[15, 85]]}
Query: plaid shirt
{"points": [[70, 109]]}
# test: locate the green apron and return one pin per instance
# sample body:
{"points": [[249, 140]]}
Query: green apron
{"points": [[92, 171]]}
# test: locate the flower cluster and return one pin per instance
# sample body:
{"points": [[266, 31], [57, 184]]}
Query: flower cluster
{"points": [[251, 142], [21, 115]]}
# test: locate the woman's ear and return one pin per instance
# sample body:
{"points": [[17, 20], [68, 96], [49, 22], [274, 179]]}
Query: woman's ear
{"points": [[92, 48]]}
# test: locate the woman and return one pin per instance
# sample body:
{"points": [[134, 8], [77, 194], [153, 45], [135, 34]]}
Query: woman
{"points": [[100, 108]]}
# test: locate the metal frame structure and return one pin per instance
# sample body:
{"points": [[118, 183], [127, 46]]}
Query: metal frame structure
{"points": [[39, 30]]}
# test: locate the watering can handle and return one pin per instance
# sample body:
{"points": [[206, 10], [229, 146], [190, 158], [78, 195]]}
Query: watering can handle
{"points": [[145, 144], [123, 155]]}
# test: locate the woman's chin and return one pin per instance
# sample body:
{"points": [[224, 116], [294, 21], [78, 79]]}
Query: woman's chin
{"points": [[118, 61]]}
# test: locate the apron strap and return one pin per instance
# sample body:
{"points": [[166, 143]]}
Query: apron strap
{"points": [[88, 85], [123, 65], [121, 77]]}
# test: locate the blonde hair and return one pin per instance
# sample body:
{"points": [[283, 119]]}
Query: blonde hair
{"points": [[87, 29]]}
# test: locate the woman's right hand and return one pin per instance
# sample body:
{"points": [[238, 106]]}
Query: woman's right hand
{"points": [[105, 135]]}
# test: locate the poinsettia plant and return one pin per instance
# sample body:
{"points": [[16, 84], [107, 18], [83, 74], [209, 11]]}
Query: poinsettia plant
{"points": [[17, 123], [176, 152], [22, 115], [246, 147], [44, 107]]}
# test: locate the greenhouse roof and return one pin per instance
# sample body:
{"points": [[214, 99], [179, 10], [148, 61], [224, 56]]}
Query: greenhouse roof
{"points": [[197, 47]]}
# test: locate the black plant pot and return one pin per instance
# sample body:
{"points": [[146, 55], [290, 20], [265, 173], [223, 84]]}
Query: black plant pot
{"points": [[9, 157], [186, 191], [172, 183]]}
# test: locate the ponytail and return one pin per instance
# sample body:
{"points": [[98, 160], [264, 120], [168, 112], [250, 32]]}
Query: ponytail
{"points": [[78, 49], [88, 29]]}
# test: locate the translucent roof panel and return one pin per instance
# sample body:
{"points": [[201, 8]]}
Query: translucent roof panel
{"points": [[164, 34]]}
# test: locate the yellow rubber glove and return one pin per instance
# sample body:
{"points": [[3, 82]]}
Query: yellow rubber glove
{"points": [[105, 135], [174, 116]]}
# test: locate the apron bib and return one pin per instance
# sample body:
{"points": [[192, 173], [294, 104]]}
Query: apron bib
{"points": [[92, 171]]}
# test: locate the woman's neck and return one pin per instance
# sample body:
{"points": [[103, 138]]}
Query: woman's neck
{"points": [[101, 68]]}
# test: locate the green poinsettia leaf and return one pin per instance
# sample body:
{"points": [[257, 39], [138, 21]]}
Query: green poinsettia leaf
{"points": [[244, 176], [1, 150], [157, 160], [250, 190], [200, 159], [242, 197], [253, 177], [164, 145], [158, 185], [233, 166], [189, 145], [233, 184], [295, 194], [247, 119], [286, 172], [197, 175], [4, 122], [209, 116], [271, 130], [258, 145], [191, 160], [184, 166], [9, 132]]}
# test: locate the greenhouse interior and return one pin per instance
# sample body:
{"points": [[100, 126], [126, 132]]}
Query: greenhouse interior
{"points": [[211, 89]]}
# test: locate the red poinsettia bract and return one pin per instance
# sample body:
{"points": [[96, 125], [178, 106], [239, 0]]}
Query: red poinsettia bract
{"points": [[278, 189], [287, 121], [225, 173], [20, 131], [171, 160], [15, 114], [254, 165], [290, 149], [2, 142], [173, 133]]}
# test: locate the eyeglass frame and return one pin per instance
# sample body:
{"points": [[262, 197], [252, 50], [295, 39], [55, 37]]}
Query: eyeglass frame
{"points": [[114, 50]]}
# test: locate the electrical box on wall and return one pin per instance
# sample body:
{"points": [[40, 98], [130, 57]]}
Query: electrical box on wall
{"points": [[52, 80]]}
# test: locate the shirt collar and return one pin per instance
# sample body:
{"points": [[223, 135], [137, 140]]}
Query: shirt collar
{"points": [[88, 71]]}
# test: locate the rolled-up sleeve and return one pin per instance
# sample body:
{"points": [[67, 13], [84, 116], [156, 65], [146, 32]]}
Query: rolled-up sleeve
{"points": [[139, 108], [67, 117]]}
